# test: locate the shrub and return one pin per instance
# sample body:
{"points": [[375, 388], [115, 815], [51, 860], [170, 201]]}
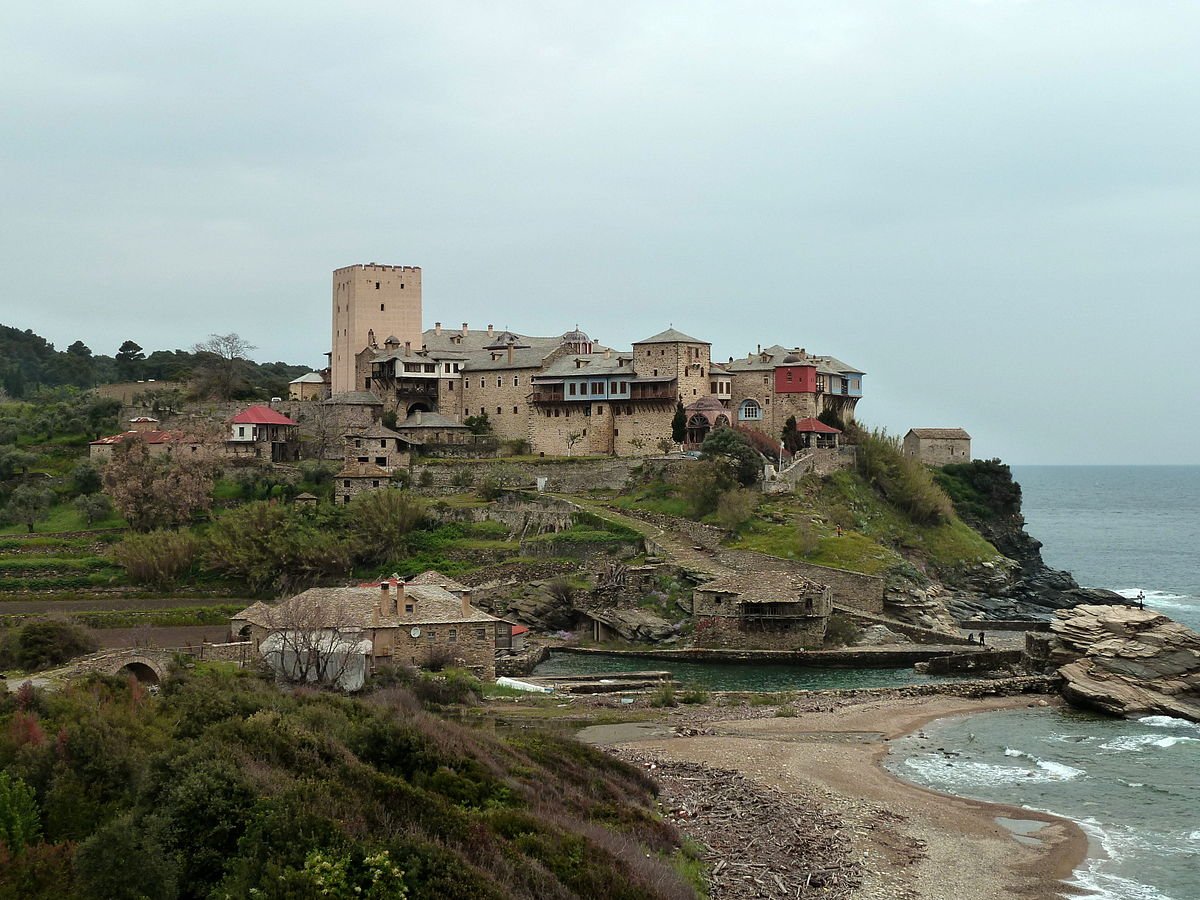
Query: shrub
{"points": [[29, 504], [426, 479], [462, 477], [702, 486], [841, 631], [735, 507], [694, 696], [381, 523], [905, 483], [85, 478], [562, 589], [44, 643], [93, 507], [489, 489], [158, 558], [664, 695], [401, 478], [19, 820], [453, 686], [729, 446]]}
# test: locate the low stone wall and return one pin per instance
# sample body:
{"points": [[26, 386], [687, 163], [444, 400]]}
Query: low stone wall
{"points": [[729, 633], [562, 476], [519, 516], [852, 589], [1006, 624], [515, 665], [887, 658], [977, 661], [916, 632]]}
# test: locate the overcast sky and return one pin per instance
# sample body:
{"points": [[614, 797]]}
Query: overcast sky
{"points": [[993, 208]]}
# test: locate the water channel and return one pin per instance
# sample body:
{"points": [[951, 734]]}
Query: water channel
{"points": [[717, 676]]}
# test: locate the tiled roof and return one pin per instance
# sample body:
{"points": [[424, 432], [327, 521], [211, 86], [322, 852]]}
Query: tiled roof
{"points": [[593, 364], [308, 378], [421, 419], [355, 469], [764, 587], [261, 415], [670, 336], [816, 426], [942, 434], [373, 431], [150, 437], [522, 358], [432, 576], [355, 397], [349, 607]]}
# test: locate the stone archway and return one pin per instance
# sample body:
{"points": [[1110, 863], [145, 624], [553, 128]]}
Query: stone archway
{"points": [[141, 670], [697, 430], [419, 407]]}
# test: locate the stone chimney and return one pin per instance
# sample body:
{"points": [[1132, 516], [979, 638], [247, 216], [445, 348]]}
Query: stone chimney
{"points": [[608, 353], [464, 329], [371, 337], [466, 604], [408, 348], [417, 417], [437, 328], [510, 352], [397, 593], [491, 331]]}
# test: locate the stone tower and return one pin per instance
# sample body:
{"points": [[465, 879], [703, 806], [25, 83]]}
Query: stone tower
{"points": [[385, 300]]}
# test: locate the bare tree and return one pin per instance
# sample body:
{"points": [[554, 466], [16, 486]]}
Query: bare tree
{"points": [[222, 364], [313, 640], [572, 439]]}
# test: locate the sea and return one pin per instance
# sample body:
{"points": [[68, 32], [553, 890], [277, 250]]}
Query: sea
{"points": [[1132, 784]]}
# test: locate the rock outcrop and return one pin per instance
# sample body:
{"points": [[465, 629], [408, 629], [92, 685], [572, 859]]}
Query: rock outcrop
{"points": [[1127, 661]]}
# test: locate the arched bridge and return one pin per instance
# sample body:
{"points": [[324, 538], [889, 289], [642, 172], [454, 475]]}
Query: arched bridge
{"points": [[150, 665]]}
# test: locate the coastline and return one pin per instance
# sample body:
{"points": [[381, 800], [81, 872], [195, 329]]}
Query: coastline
{"points": [[911, 842]]}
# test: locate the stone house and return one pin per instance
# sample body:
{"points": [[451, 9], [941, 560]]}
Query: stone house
{"points": [[159, 442], [263, 433], [310, 386], [938, 446], [419, 623], [430, 429], [355, 477], [762, 611], [378, 445]]}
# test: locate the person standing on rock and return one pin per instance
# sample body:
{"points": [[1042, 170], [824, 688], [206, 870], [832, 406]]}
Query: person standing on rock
{"points": [[1141, 600], [981, 639]]}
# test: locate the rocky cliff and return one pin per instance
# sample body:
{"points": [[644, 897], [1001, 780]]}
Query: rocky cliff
{"points": [[987, 498], [1127, 661]]}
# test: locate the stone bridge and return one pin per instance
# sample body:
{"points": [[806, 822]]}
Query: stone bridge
{"points": [[151, 664]]}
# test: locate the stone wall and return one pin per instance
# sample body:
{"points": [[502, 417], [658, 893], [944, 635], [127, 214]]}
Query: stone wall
{"points": [[563, 476], [465, 645], [974, 661], [732, 633]]}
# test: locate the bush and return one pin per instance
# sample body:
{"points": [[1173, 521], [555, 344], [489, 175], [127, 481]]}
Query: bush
{"points": [[702, 486], [462, 477], [426, 479], [905, 483], [695, 696], [489, 489], [158, 558], [93, 507], [453, 686], [841, 631], [664, 695], [43, 644], [381, 523], [729, 446], [735, 507]]}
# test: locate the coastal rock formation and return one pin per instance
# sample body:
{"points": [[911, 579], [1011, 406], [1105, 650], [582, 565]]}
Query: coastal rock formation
{"points": [[1127, 661], [637, 625]]}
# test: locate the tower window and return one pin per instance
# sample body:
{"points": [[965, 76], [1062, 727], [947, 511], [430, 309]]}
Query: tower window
{"points": [[377, 285], [381, 307]]}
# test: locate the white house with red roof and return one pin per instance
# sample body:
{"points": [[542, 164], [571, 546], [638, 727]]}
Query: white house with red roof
{"points": [[264, 433]]}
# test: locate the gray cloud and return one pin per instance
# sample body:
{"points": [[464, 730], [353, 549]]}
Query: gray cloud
{"points": [[991, 207]]}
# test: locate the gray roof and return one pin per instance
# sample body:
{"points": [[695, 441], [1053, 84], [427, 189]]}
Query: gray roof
{"points": [[355, 397], [355, 469], [308, 378], [522, 358], [429, 420], [943, 434], [373, 431], [670, 336], [593, 364], [764, 587], [349, 607], [477, 339], [768, 358]]}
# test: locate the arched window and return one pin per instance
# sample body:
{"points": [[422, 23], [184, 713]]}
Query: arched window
{"points": [[749, 411]]}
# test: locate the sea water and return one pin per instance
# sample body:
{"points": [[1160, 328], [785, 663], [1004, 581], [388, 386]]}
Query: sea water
{"points": [[1132, 784]]}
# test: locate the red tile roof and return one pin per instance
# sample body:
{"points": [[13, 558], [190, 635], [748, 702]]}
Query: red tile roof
{"points": [[261, 415], [150, 437], [816, 425]]}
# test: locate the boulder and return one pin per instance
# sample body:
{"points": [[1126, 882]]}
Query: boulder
{"points": [[876, 635], [1127, 661], [637, 625]]}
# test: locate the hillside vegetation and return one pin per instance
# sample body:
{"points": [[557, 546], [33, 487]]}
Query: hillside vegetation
{"points": [[225, 787]]}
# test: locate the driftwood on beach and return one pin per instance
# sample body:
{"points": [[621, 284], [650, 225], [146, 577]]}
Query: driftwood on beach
{"points": [[759, 841]]}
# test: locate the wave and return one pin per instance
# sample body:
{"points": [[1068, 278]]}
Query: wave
{"points": [[1095, 876], [1061, 771], [1162, 599], [1168, 722]]}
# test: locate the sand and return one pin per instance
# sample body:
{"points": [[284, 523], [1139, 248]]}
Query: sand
{"points": [[912, 842]]}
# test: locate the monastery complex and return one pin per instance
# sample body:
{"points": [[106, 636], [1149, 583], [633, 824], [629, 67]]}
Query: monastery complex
{"points": [[562, 394]]}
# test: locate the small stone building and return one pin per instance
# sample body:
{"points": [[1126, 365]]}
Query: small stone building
{"points": [[938, 446], [379, 445], [263, 433], [356, 477], [310, 386], [406, 624], [762, 611]]}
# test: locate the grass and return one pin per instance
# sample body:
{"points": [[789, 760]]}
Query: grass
{"points": [[876, 537], [63, 517], [180, 616], [54, 563]]}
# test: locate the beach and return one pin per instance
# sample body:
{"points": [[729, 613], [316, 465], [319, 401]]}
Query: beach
{"points": [[907, 842]]}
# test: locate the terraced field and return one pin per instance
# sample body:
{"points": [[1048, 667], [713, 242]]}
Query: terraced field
{"points": [[73, 574]]}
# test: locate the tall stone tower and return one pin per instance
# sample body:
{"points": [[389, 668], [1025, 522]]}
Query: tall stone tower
{"points": [[383, 300]]}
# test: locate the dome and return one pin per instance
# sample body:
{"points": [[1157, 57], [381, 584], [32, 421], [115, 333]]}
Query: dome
{"points": [[792, 358], [575, 337]]}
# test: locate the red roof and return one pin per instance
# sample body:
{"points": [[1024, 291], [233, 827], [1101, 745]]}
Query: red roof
{"points": [[261, 415], [520, 629], [816, 425], [150, 437]]}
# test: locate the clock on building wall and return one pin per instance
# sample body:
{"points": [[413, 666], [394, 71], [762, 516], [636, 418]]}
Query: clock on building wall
{"points": [[416, 632]]}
